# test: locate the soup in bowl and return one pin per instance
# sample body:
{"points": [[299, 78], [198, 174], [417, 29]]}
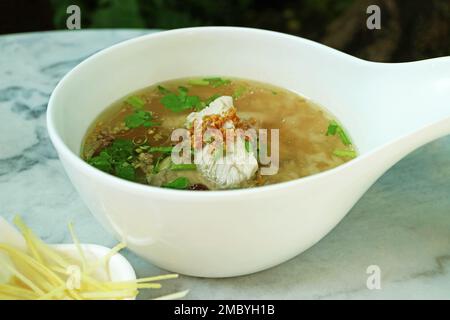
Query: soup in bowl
{"points": [[112, 121], [211, 133]]}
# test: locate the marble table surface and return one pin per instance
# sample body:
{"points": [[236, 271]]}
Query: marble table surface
{"points": [[402, 224]]}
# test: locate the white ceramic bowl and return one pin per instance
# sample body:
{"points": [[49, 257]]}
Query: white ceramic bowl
{"points": [[229, 233]]}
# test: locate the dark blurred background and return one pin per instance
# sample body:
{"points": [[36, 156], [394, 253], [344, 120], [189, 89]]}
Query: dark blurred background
{"points": [[411, 29]]}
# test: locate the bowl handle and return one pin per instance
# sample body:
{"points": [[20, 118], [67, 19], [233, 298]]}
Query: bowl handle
{"points": [[409, 99]]}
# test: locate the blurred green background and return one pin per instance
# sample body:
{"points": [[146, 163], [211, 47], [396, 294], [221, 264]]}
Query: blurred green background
{"points": [[411, 29]]}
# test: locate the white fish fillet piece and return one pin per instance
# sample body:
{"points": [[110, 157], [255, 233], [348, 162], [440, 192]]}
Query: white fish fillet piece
{"points": [[219, 107], [228, 171], [235, 167]]}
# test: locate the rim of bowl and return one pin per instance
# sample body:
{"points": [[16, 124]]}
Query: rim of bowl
{"points": [[61, 147]]}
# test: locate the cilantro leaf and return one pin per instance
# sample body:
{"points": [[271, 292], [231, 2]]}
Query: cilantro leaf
{"points": [[114, 159], [181, 101], [138, 118], [120, 150], [193, 101], [173, 102], [102, 162], [126, 171]]}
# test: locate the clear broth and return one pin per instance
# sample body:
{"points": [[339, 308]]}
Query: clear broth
{"points": [[305, 148]]}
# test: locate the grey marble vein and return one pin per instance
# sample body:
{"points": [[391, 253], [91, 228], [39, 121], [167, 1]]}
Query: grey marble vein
{"points": [[402, 224]]}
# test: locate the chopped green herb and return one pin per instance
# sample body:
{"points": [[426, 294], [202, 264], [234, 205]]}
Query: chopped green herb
{"points": [[161, 149], [181, 101], [239, 92], [135, 102], [331, 131], [193, 101], [198, 82], [120, 150], [274, 93], [217, 81], [126, 171], [164, 90], [179, 183], [173, 102], [248, 146], [115, 159], [102, 162], [140, 118], [344, 138], [183, 91], [213, 81], [182, 166], [345, 153], [334, 128]]}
